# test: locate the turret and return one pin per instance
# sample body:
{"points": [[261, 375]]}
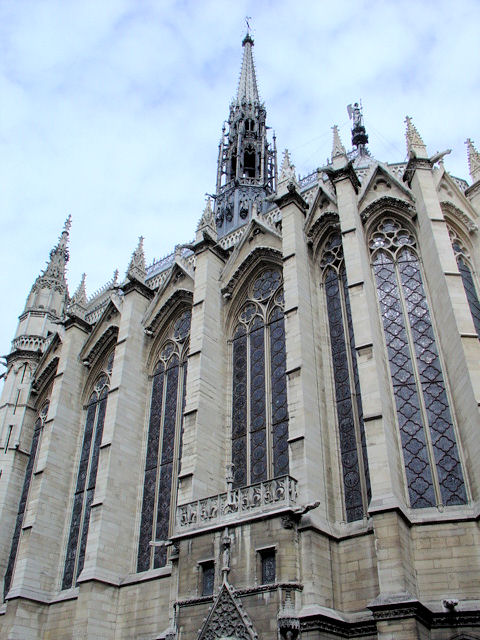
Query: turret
{"points": [[46, 301], [246, 170]]}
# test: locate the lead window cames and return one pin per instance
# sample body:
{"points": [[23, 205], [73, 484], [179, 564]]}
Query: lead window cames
{"points": [[432, 465]]}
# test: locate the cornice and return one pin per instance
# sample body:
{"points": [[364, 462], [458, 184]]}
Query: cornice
{"points": [[414, 164], [346, 172]]}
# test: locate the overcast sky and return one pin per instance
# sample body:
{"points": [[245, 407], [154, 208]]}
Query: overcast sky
{"points": [[111, 110]]}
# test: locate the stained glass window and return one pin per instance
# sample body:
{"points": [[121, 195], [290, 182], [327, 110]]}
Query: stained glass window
{"points": [[259, 394], [164, 445], [268, 566], [464, 266], [432, 465], [87, 476], [353, 450], [34, 448]]}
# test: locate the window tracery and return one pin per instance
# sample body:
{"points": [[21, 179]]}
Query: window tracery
{"points": [[164, 444], [34, 448], [259, 394], [431, 459], [353, 450], [87, 475], [464, 263]]}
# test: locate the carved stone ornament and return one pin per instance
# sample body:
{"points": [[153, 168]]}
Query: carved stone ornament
{"points": [[288, 620], [227, 619]]}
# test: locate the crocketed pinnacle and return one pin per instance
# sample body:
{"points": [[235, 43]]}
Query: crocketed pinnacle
{"points": [[136, 268], [80, 295], [473, 160], [247, 85], [208, 217], [415, 145], [337, 149], [287, 170]]}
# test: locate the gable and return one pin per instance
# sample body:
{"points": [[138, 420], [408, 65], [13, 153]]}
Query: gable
{"points": [[380, 184], [227, 619]]}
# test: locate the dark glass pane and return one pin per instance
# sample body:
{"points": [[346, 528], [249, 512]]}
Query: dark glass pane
{"points": [[163, 513], [208, 578], [92, 479], [184, 397], [445, 451], [148, 503], [239, 410], [258, 447], [13, 554], [279, 394], [417, 466], [471, 292], [356, 383], [86, 523], [343, 395], [84, 456], [181, 328], [73, 541], [268, 567]]}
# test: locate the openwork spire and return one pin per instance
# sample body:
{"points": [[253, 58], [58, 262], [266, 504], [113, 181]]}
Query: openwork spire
{"points": [[473, 160], [59, 254], [136, 268], [247, 86], [337, 149], [415, 145]]}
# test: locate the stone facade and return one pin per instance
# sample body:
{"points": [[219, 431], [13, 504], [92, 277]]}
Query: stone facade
{"points": [[271, 433]]}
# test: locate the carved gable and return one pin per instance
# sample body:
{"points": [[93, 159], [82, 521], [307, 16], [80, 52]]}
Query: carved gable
{"points": [[227, 619], [382, 183]]}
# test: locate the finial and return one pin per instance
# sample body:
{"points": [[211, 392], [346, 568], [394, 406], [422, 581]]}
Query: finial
{"points": [[68, 224], [287, 170], [207, 220], [337, 149], [415, 145], [115, 277], [473, 160], [136, 268]]}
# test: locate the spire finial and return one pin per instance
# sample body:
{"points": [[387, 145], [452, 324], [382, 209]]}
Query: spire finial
{"points": [[247, 86], [473, 160], [136, 268], [415, 145], [337, 149]]}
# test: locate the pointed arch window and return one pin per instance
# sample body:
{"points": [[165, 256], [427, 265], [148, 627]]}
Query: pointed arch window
{"points": [[259, 402], [430, 453], [164, 445], [87, 475], [34, 448], [353, 450], [464, 263]]}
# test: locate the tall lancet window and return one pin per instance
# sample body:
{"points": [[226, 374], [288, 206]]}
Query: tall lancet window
{"points": [[465, 267], [259, 403], [164, 445], [432, 465], [87, 475], [37, 435], [353, 451]]}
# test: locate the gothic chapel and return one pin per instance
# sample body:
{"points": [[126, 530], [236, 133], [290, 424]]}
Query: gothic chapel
{"points": [[271, 434]]}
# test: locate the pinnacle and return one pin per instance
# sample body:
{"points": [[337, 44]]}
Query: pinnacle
{"points": [[287, 170], [80, 295], [415, 145], [247, 86], [136, 268], [337, 149], [473, 160]]}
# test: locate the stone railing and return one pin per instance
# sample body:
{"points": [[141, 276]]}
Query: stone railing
{"points": [[239, 504]]}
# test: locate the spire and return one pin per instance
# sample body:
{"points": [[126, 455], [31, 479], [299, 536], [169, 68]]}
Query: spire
{"points": [[287, 170], [136, 268], [337, 149], [207, 221], [78, 303], [415, 146], [473, 160], [247, 86], [59, 256]]}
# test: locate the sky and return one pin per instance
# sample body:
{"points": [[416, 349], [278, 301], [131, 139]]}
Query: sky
{"points": [[111, 110]]}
